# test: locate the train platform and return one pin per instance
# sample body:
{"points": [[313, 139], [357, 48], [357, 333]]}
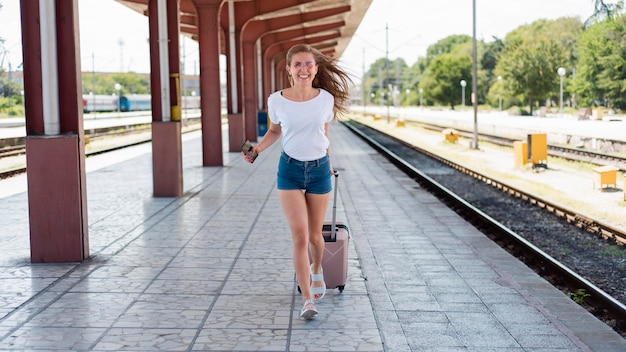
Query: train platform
{"points": [[212, 270]]}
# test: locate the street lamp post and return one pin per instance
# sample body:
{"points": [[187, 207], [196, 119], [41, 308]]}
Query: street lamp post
{"points": [[499, 93], [474, 78], [561, 72], [463, 84]]}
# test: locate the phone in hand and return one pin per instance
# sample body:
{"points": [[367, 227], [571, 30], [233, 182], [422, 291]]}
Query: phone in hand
{"points": [[246, 148]]}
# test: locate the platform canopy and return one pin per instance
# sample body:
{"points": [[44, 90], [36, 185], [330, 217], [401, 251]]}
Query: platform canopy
{"points": [[288, 8]]}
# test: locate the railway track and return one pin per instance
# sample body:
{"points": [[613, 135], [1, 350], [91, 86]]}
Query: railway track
{"points": [[605, 306]]}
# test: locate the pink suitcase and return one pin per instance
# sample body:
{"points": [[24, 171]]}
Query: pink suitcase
{"points": [[335, 261]]}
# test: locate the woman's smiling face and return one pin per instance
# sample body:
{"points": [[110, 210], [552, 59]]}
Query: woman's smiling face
{"points": [[302, 68]]}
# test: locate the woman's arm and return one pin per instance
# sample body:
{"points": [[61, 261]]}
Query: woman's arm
{"points": [[271, 136]]}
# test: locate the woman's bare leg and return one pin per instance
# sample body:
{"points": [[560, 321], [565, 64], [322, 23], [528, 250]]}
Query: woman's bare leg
{"points": [[316, 208], [294, 206]]}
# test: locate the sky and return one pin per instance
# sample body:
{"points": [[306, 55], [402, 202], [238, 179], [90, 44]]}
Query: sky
{"points": [[115, 38]]}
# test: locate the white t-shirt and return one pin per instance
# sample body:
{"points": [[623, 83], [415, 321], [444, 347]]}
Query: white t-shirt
{"points": [[302, 124]]}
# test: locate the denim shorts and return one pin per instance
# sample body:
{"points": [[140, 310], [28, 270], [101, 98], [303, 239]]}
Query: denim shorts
{"points": [[310, 176]]}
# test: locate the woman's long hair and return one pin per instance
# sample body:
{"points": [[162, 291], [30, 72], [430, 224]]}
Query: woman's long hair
{"points": [[329, 77]]}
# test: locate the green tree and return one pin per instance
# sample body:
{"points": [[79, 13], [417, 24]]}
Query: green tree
{"points": [[492, 87], [491, 52], [531, 56], [530, 70], [442, 79], [483, 73], [447, 45], [456, 52], [601, 72]]}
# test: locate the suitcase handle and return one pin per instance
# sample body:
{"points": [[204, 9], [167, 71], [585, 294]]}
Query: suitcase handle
{"points": [[333, 224]]}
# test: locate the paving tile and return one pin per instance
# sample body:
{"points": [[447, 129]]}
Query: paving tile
{"points": [[428, 336], [93, 309], [248, 318], [145, 316], [179, 287], [16, 317], [241, 340], [269, 252], [332, 340], [187, 261], [125, 285], [414, 302], [193, 273], [52, 338], [254, 302], [29, 271], [262, 270], [269, 288], [481, 330], [537, 335], [125, 272], [133, 339]]}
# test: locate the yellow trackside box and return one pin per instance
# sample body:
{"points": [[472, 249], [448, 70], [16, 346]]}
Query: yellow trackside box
{"points": [[520, 152], [538, 149], [605, 176], [450, 135]]}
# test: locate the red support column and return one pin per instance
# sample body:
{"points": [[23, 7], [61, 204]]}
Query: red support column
{"points": [[250, 110], [236, 135], [233, 74], [210, 105], [55, 150], [167, 160]]}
